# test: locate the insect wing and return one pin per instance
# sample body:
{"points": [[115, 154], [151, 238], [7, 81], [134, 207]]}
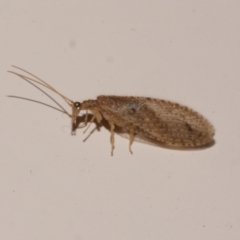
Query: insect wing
{"points": [[167, 122]]}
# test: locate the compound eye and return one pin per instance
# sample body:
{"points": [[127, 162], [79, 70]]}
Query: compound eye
{"points": [[77, 105]]}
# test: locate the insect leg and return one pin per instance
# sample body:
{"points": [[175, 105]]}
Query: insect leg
{"points": [[91, 121], [112, 136], [131, 137]]}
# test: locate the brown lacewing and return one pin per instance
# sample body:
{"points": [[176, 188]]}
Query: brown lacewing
{"points": [[150, 120]]}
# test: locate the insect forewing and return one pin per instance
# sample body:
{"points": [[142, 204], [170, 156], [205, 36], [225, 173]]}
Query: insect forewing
{"points": [[167, 122]]}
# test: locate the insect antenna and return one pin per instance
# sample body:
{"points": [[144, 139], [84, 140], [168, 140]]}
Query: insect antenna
{"points": [[41, 82], [76, 106]]}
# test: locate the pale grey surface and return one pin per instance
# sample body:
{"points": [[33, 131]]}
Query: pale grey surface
{"points": [[54, 186]]}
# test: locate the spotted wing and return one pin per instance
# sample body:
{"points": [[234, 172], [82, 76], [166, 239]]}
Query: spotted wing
{"points": [[164, 121]]}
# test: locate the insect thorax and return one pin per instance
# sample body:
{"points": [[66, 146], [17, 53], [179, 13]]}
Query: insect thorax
{"points": [[90, 105]]}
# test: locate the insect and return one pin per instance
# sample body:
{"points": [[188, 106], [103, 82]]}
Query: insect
{"points": [[151, 120]]}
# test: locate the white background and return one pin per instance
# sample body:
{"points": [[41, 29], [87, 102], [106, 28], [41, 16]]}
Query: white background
{"points": [[54, 185]]}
